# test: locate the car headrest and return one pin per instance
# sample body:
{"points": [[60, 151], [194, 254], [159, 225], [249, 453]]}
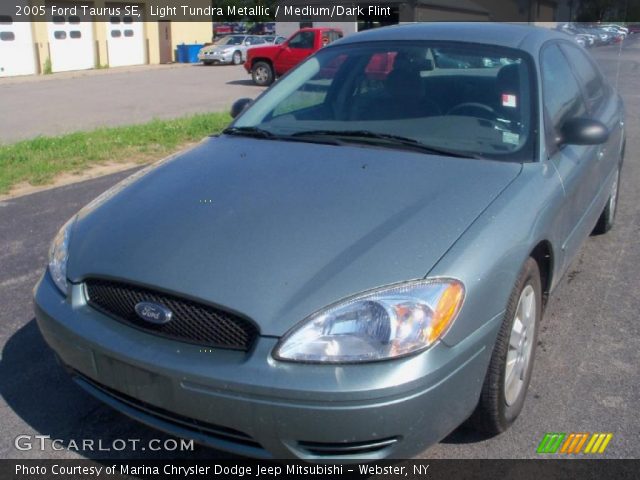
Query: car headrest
{"points": [[508, 80], [404, 82]]}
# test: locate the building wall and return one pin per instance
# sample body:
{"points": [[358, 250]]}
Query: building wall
{"points": [[286, 28], [42, 43], [190, 32], [151, 34], [181, 32]]}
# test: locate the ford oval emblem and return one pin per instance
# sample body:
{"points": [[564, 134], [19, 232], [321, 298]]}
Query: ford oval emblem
{"points": [[153, 313]]}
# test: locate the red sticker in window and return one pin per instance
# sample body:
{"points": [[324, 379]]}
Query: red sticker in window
{"points": [[509, 100]]}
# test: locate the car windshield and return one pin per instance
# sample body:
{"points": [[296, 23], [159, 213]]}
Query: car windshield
{"points": [[231, 40], [466, 99]]}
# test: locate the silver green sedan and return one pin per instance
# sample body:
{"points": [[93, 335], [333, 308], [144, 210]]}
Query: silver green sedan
{"points": [[361, 261]]}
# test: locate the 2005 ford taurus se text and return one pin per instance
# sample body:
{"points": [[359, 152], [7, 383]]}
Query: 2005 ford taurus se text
{"points": [[361, 261]]}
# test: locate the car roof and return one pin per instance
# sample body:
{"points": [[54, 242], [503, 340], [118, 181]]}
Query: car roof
{"points": [[509, 35]]}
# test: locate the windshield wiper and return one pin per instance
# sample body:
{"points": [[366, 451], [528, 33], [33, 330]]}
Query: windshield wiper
{"points": [[248, 132], [256, 132], [389, 139]]}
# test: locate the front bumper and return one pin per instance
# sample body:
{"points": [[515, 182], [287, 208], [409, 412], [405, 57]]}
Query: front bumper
{"points": [[216, 57], [253, 405]]}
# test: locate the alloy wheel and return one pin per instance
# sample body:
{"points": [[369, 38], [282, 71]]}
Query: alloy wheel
{"points": [[520, 345], [262, 74]]}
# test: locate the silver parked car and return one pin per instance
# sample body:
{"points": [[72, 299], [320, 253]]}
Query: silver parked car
{"points": [[231, 49], [274, 39], [361, 261]]}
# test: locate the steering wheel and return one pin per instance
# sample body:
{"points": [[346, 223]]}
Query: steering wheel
{"points": [[473, 109]]}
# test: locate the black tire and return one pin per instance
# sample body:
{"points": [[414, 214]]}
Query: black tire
{"points": [[236, 59], [494, 414], [262, 74], [608, 215], [207, 63]]}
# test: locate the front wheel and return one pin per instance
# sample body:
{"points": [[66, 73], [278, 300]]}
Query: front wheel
{"points": [[237, 58], [262, 74], [507, 380]]}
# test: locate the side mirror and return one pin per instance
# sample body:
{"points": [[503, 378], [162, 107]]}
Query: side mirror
{"points": [[240, 106], [583, 131]]}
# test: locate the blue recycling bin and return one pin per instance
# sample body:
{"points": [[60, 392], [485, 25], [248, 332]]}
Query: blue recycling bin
{"points": [[181, 54], [188, 53], [192, 52]]}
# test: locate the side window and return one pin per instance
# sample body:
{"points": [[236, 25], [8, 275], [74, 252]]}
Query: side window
{"points": [[561, 92], [587, 74], [302, 40]]}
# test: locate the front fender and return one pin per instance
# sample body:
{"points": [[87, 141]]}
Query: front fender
{"points": [[488, 257]]}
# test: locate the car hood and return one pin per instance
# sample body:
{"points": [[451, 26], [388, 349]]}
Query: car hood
{"points": [[265, 50], [219, 48], [277, 230]]}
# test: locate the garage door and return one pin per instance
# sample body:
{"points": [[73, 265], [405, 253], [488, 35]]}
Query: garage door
{"points": [[71, 42], [17, 53], [125, 41]]}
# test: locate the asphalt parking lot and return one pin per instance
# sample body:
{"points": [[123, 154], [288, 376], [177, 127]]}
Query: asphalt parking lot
{"points": [[64, 103], [586, 377]]}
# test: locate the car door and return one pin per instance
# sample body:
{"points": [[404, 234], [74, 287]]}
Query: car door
{"points": [[299, 47], [577, 165], [603, 105], [247, 43]]}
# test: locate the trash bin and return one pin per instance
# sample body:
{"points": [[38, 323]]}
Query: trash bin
{"points": [[192, 52], [188, 53], [181, 53]]}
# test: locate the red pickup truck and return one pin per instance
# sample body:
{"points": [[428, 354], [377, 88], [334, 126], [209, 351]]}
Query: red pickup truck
{"points": [[268, 62]]}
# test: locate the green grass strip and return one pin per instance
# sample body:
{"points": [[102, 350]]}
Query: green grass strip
{"points": [[39, 160]]}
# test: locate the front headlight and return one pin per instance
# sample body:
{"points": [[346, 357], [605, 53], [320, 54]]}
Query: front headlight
{"points": [[385, 323], [58, 255]]}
